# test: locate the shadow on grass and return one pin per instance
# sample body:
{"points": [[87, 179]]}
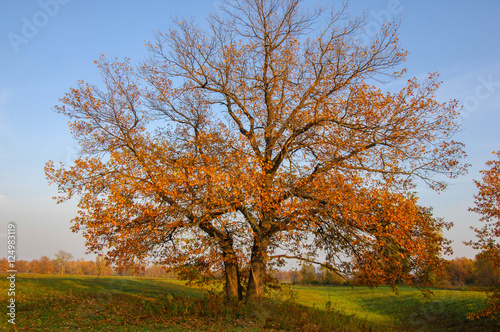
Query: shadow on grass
{"points": [[444, 310], [79, 303], [116, 285]]}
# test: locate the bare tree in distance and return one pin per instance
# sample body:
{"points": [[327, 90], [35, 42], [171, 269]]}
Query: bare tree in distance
{"points": [[62, 258]]}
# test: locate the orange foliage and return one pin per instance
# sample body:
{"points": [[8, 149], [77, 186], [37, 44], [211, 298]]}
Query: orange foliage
{"points": [[43, 265], [4, 265], [229, 145], [487, 203]]}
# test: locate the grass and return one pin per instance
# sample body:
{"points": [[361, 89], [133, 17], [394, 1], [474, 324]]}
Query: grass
{"points": [[89, 303], [444, 310]]}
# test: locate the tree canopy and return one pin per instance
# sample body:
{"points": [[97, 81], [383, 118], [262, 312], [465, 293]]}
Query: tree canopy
{"points": [[487, 203], [264, 136]]}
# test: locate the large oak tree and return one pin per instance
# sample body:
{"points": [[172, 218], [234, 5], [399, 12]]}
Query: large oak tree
{"points": [[261, 137]]}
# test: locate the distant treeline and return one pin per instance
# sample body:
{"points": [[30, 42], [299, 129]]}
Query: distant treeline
{"points": [[470, 272], [459, 271], [310, 275], [63, 263]]}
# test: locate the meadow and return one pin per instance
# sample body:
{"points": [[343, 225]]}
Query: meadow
{"points": [[90, 303]]}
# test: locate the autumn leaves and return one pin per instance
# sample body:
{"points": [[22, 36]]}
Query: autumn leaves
{"points": [[233, 144]]}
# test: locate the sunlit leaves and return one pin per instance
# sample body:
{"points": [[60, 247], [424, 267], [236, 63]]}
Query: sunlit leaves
{"points": [[265, 132], [487, 203]]}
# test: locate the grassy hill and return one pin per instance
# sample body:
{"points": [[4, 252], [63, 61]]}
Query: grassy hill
{"points": [[444, 310], [89, 303]]}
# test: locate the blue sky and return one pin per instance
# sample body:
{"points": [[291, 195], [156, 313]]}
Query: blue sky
{"points": [[46, 46]]}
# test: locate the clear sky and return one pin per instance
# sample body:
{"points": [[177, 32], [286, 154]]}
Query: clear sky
{"points": [[46, 46]]}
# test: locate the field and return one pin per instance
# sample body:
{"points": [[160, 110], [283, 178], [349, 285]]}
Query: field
{"points": [[444, 310], [89, 303]]}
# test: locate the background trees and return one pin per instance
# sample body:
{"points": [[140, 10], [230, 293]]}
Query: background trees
{"points": [[4, 264], [461, 271], [487, 203], [317, 275], [308, 274], [43, 265], [261, 138], [62, 258], [486, 273]]}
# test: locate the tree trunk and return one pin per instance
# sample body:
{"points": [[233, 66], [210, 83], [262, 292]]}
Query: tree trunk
{"points": [[233, 285], [256, 280]]}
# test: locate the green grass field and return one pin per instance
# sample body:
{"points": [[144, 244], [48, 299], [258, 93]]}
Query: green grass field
{"points": [[89, 303], [444, 310]]}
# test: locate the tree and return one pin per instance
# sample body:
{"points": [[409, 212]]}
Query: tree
{"points": [[264, 133], [58, 269], [75, 267], [308, 274], [329, 278], [4, 265], [23, 266], [102, 267], [461, 271], [88, 267], [154, 271], [62, 259], [43, 265], [486, 274], [35, 266], [487, 203]]}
